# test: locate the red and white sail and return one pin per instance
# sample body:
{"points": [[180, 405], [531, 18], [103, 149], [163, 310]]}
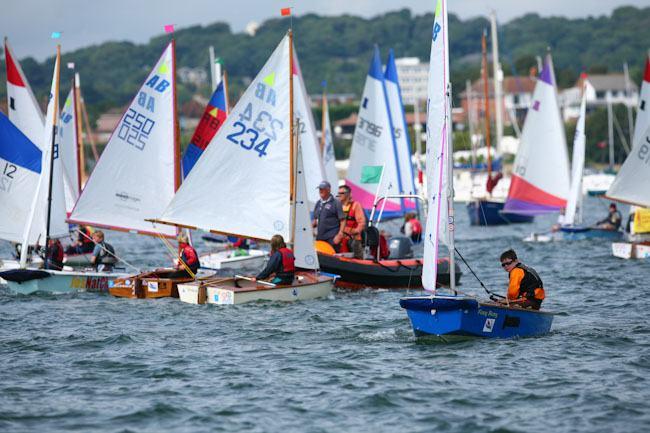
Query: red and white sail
{"points": [[137, 174]]}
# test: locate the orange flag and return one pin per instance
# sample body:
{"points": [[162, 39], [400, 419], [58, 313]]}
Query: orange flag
{"points": [[285, 12]]}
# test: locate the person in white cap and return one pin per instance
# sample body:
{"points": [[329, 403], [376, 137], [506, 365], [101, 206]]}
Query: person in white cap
{"points": [[329, 218]]}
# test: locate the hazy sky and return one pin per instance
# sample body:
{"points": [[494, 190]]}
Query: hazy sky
{"points": [[29, 23]]}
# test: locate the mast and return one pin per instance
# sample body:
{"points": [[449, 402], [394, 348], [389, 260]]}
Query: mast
{"points": [[225, 91], [496, 76], [53, 144], [292, 144], [322, 121], [91, 138], [610, 130], [450, 190], [417, 129], [213, 78], [486, 97], [81, 158], [628, 93], [177, 147], [470, 123]]}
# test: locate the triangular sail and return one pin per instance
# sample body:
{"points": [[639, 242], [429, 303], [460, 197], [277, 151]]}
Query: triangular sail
{"points": [[438, 146], [22, 108], [373, 144], [632, 180], [314, 172], [213, 117], [20, 168], [540, 180], [577, 166], [327, 140], [137, 174], [402, 141], [69, 151], [246, 167], [303, 235]]}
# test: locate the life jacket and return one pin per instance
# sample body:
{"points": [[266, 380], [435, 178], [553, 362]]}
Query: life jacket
{"points": [[86, 237], [189, 255], [531, 286], [416, 227], [56, 252], [288, 260], [350, 220], [106, 251]]}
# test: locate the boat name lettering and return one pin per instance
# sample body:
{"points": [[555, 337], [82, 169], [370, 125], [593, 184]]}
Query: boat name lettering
{"points": [[265, 93], [487, 313], [135, 129], [159, 87], [371, 128], [147, 101], [99, 284], [125, 196]]}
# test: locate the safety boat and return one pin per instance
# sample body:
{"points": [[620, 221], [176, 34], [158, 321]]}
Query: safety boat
{"points": [[269, 198], [453, 314], [398, 271]]}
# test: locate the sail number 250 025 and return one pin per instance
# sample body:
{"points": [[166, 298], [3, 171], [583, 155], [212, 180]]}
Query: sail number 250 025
{"points": [[255, 132]]}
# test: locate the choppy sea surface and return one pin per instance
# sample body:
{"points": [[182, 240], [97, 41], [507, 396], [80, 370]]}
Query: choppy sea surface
{"points": [[92, 363]]}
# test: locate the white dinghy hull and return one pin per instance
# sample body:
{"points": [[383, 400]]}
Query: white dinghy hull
{"points": [[66, 282]]}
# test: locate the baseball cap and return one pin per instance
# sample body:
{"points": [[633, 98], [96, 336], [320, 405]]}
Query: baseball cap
{"points": [[324, 185]]}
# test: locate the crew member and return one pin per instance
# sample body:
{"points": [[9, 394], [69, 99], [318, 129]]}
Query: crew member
{"points": [[54, 254], [84, 243], [412, 227], [281, 263], [329, 218], [103, 253], [355, 223], [526, 288], [612, 221], [188, 256]]}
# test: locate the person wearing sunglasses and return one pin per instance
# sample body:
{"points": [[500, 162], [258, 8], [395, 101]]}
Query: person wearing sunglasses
{"points": [[355, 223], [526, 288]]}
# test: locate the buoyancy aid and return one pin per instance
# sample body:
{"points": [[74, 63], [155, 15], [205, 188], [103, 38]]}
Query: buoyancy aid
{"points": [[189, 255], [288, 260], [56, 252], [531, 286], [416, 227], [350, 220], [86, 236]]}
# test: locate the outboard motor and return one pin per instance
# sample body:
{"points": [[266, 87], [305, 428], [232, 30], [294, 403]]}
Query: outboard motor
{"points": [[400, 247]]}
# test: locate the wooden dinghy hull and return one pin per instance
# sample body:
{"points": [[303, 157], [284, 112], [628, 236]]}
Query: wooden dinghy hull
{"points": [[461, 317], [148, 285], [233, 291]]}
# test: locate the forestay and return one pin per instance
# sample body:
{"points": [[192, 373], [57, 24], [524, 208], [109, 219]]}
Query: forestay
{"points": [[577, 167], [540, 180], [23, 110], [137, 174], [437, 161], [303, 235], [314, 171], [245, 169], [400, 131], [69, 151], [373, 144], [329, 159]]}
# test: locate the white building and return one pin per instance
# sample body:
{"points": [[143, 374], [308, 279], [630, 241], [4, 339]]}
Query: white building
{"points": [[600, 89], [196, 76], [413, 79]]}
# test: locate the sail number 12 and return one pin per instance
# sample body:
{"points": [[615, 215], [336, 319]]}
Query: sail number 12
{"points": [[7, 177]]}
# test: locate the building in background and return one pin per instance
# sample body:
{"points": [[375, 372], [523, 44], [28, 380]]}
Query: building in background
{"points": [[413, 79]]}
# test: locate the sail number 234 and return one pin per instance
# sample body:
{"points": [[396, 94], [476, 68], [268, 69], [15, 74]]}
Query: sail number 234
{"points": [[255, 132]]}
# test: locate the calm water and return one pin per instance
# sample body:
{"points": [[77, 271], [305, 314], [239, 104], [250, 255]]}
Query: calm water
{"points": [[89, 362]]}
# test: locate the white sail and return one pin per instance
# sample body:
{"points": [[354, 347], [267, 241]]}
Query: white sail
{"points": [[403, 144], [69, 151], [540, 180], [577, 166], [314, 172], [303, 235], [642, 117], [373, 144], [137, 174], [245, 169], [329, 159], [437, 161], [23, 110]]}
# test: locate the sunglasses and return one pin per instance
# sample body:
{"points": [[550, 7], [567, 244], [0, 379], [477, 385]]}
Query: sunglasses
{"points": [[340, 193], [504, 264]]}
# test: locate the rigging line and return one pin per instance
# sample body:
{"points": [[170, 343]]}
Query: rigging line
{"points": [[107, 251], [489, 292], [170, 247]]}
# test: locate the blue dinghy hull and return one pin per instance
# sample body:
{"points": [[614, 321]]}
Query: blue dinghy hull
{"points": [[578, 233], [490, 213], [458, 316]]}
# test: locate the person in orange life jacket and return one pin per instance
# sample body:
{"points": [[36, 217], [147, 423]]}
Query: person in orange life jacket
{"points": [[355, 222], [188, 256], [329, 219], [281, 263], [84, 243], [54, 254], [412, 227], [103, 253], [526, 288]]}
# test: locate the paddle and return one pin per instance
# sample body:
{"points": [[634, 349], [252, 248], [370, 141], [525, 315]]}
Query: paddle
{"points": [[264, 283]]}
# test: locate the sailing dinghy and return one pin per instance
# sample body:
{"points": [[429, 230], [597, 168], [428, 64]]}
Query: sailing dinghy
{"points": [[632, 181], [454, 315], [269, 197]]}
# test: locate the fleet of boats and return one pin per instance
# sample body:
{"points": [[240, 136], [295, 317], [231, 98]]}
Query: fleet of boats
{"points": [[261, 163]]}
